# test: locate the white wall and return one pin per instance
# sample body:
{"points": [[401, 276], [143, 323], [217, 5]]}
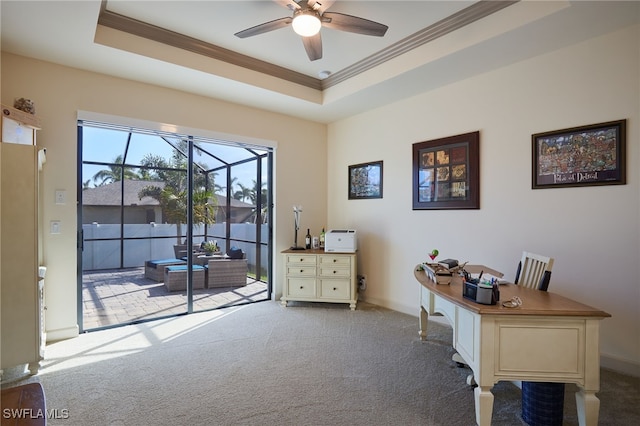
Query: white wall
{"points": [[60, 92], [592, 232]]}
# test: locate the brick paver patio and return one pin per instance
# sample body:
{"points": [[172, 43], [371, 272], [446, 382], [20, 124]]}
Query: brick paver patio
{"points": [[123, 296]]}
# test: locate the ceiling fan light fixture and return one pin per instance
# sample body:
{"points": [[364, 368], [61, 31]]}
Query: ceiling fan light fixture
{"points": [[306, 23]]}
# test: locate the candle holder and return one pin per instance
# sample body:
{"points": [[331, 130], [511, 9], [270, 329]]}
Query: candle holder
{"points": [[296, 226]]}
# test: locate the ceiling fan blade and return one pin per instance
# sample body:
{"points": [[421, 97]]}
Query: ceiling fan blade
{"points": [[353, 24], [289, 4], [313, 46], [266, 27]]}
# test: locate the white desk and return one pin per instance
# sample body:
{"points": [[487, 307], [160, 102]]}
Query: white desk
{"points": [[548, 339]]}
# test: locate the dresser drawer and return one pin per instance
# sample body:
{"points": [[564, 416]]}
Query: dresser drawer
{"points": [[343, 261], [335, 289], [332, 271], [301, 271], [301, 259], [301, 287]]}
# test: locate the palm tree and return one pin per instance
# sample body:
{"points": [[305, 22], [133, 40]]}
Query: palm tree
{"points": [[172, 196], [222, 189], [243, 193], [253, 194], [114, 173], [217, 189]]}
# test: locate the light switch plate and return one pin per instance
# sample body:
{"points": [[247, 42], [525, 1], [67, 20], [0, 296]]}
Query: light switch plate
{"points": [[55, 226], [61, 196]]}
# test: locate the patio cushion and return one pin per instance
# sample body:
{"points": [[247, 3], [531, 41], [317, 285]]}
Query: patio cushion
{"points": [[155, 263], [174, 268]]}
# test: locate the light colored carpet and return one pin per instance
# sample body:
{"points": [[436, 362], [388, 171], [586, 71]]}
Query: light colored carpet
{"points": [[262, 364]]}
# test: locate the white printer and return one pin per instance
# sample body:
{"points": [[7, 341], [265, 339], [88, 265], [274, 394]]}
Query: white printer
{"points": [[341, 241]]}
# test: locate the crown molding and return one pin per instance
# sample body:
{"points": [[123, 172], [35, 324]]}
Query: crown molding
{"points": [[441, 28], [138, 28]]}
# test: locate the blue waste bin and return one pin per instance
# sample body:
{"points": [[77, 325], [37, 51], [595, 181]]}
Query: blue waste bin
{"points": [[542, 403]]}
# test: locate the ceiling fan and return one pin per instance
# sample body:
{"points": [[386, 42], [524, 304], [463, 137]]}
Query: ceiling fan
{"points": [[308, 17]]}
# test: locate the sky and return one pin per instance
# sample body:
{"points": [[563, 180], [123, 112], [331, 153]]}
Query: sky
{"points": [[104, 145]]}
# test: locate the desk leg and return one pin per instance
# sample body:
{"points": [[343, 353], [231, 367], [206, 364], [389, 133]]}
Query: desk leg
{"points": [[588, 406], [424, 317], [484, 405]]}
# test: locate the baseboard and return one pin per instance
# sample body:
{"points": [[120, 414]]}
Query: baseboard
{"points": [[62, 334], [624, 366], [409, 310]]}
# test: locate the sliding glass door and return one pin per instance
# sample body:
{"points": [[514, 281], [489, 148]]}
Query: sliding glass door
{"points": [[148, 201]]}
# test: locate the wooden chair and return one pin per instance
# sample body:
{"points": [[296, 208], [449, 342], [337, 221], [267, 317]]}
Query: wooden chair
{"points": [[534, 271]]}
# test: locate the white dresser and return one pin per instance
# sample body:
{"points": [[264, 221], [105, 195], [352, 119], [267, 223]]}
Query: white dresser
{"points": [[316, 276]]}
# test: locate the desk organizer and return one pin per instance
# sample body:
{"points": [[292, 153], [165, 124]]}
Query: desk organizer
{"points": [[481, 293]]}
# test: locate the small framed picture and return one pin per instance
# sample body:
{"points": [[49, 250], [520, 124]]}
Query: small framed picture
{"points": [[446, 173], [365, 180], [580, 156]]}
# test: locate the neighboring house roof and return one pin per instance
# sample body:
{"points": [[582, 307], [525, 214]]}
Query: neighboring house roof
{"points": [[109, 195], [222, 201]]}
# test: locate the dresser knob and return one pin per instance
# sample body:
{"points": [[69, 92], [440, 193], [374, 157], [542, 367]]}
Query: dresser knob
{"points": [[335, 272], [301, 287], [334, 289], [335, 260], [301, 270]]}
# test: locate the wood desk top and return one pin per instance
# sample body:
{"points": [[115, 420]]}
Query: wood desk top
{"points": [[534, 302]]}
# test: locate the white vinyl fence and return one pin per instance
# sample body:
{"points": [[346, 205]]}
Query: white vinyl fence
{"points": [[106, 254]]}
